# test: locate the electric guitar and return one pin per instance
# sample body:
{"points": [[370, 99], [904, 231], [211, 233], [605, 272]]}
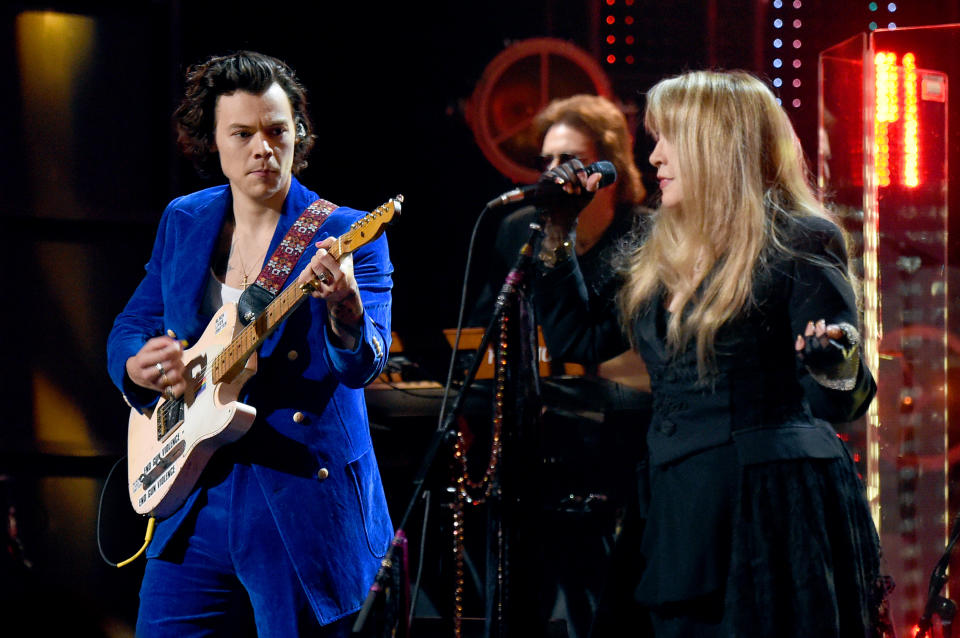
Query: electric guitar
{"points": [[169, 447]]}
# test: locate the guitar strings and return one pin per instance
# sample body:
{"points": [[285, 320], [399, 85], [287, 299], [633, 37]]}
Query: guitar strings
{"points": [[335, 251]]}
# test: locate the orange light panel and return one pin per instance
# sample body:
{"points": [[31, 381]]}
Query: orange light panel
{"points": [[887, 111], [911, 146]]}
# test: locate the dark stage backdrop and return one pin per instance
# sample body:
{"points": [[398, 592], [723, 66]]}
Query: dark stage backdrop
{"points": [[85, 107]]}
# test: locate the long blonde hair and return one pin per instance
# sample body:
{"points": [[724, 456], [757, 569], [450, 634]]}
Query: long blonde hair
{"points": [[741, 168]]}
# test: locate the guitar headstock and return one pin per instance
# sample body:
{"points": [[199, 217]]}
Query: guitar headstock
{"points": [[371, 225]]}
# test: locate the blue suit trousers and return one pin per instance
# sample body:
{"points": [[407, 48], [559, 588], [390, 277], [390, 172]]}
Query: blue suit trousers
{"points": [[201, 585]]}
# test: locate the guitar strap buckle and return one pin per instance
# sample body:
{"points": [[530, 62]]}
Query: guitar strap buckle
{"points": [[252, 302]]}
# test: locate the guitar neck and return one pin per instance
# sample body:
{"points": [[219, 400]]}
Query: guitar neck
{"points": [[233, 358]]}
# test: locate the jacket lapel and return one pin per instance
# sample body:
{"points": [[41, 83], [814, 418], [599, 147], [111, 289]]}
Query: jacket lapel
{"points": [[195, 232], [645, 328]]}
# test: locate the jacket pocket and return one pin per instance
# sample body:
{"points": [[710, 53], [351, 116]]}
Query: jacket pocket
{"points": [[373, 504]]}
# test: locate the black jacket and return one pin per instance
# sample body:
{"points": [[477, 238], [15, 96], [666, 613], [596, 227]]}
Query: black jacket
{"points": [[760, 396]]}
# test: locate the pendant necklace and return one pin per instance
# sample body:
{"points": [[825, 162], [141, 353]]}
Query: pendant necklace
{"points": [[243, 266]]}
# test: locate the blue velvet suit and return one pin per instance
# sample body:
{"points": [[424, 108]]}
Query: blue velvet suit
{"points": [[317, 471]]}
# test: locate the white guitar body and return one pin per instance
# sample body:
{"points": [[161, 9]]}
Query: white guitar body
{"points": [[168, 449]]}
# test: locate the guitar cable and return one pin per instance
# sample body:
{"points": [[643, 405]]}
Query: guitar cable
{"points": [[148, 536]]}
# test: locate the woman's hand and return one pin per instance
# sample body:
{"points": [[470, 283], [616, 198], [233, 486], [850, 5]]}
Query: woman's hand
{"points": [[572, 176], [334, 282], [822, 346], [579, 188], [158, 365], [560, 213]]}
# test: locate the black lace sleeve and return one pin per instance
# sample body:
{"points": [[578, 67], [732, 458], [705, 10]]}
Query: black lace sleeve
{"points": [[573, 328], [821, 290]]}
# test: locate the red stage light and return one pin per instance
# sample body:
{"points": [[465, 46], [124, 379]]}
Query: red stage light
{"points": [[887, 111], [894, 105], [611, 59], [911, 147], [611, 19]]}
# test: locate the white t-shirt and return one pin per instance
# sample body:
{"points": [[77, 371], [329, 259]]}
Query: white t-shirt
{"points": [[217, 294]]}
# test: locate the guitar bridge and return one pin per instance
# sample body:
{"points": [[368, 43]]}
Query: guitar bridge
{"points": [[170, 417]]}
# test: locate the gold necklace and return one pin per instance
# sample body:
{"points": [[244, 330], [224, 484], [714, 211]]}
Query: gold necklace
{"points": [[243, 265]]}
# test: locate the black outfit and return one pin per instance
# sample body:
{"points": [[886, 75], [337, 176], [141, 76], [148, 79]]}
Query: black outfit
{"points": [[585, 465], [755, 520], [595, 264]]}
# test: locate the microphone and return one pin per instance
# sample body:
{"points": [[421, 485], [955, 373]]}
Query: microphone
{"points": [[547, 189]]}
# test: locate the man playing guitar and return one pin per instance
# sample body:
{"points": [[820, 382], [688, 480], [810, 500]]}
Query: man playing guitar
{"points": [[285, 526]]}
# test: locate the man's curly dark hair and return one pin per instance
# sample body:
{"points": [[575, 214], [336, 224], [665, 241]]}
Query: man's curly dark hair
{"points": [[222, 75]]}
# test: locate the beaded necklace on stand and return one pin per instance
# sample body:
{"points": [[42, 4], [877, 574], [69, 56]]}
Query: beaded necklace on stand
{"points": [[470, 492]]}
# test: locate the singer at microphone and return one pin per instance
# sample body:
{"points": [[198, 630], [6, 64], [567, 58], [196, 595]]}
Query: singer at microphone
{"points": [[581, 138], [585, 132]]}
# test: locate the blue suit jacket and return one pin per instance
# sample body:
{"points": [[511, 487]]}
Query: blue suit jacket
{"points": [[335, 529]]}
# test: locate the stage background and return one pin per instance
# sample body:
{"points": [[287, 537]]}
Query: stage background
{"points": [[90, 164]]}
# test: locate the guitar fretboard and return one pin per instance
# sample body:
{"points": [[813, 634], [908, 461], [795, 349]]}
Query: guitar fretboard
{"points": [[231, 359]]}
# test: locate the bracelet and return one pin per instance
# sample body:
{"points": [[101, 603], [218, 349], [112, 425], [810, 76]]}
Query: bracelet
{"points": [[844, 375], [561, 253]]}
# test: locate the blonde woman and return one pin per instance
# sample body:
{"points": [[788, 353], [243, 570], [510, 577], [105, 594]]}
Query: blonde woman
{"points": [[739, 300]]}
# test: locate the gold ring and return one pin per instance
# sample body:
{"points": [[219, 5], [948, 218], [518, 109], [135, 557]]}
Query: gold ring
{"points": [[160, 369], [163, 380], [323, 277]]}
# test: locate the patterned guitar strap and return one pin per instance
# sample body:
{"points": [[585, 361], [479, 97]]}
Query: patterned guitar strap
{"points": [[277, 270]]}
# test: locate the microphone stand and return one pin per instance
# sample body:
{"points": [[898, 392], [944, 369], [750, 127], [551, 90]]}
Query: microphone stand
{"points": [[517, 277], [937, 605]]}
